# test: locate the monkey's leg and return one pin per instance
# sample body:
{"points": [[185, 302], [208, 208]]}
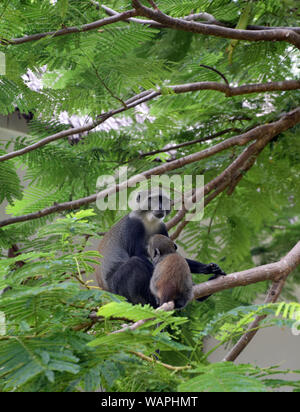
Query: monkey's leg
{"points": [[132, 280]]}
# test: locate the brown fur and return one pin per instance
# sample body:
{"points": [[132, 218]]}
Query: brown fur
{"points": [[172, 279]]}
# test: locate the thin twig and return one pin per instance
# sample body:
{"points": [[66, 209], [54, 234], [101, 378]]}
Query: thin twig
{"points": [[152, 3], [165, 365], [192, 142], [105, 85], [216, 71], [272, 297], [69, 30], [165, 307], [103, 82]]}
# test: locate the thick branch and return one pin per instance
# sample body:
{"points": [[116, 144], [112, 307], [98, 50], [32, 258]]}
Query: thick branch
{"points": [[234, 172], [288, 36], [151, 94], [272, 271], [209, 19], [69, 30], [259, 133], [237, 91]]}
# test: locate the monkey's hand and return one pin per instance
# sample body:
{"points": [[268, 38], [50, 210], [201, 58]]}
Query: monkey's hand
{"points": [[215, 270]]}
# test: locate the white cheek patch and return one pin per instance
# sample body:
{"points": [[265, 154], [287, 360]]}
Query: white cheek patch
{"points": [[162, 218], [150, 217], [152, 223]]}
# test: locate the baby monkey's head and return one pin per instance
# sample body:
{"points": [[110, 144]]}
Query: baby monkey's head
{"points": [[160, 246]]}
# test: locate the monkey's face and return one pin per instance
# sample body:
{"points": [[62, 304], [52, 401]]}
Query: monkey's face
{"points": [[155, 204]]}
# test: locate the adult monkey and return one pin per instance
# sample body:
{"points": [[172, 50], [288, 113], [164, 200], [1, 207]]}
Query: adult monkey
{"points": [[125, 268]]}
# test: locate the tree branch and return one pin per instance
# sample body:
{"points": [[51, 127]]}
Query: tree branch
{"points": [[234, 172], [191, 142], [153, 360], [153, 4], [133, 102], [107, 88], [216, 71], [260, 133], [166, 307], [209, 19], [69, 30], [151, 94], [289, 36], [272, 297], [272, 271]]}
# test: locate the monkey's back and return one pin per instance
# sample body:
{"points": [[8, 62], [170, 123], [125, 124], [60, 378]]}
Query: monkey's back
{"points": [[172, 280], [111, 247]]}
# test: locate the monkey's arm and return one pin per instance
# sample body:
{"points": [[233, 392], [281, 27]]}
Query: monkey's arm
{"points": [[211, 268], [198, 267]]}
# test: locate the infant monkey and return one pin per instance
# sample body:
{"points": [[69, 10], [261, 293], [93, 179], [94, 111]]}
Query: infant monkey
{"points": [[171, 279]]}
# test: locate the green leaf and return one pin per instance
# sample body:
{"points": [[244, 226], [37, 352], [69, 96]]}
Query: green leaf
{"points": [[223, 377]]}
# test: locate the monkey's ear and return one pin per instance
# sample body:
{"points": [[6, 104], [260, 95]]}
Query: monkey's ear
{"points": [[156, 253], [176, 247]]}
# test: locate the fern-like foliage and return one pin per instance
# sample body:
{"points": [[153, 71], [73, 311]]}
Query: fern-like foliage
{"points": [[48, 341]]}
